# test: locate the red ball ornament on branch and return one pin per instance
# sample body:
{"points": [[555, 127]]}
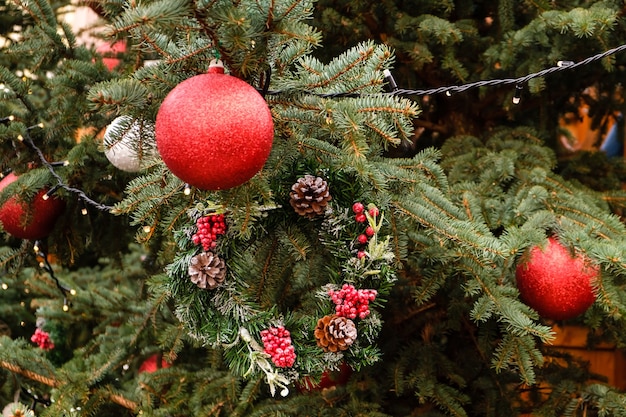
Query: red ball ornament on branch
{"points": [[555, 283], [214, 131], [330, 379], [32, 219], [152, 364], [110, 53]]}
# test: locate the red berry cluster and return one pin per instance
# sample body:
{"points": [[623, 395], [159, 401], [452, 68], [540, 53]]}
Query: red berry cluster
{"points": [[42, 339], [209, 228], [361, 217], [351, 302], [277, 344]]}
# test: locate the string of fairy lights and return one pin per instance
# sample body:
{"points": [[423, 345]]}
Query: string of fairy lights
{"points": [[391, 89], [519, 82]]}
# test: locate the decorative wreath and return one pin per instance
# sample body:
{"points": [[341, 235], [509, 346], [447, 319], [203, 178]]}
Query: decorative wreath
{"points": [[304, 326]]}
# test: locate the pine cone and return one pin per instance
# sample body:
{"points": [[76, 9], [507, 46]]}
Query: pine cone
{"points": [[309, 196], [334, 333], [207, 270]]}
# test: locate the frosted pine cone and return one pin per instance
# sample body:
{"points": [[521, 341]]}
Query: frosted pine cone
{"points": [[309, 196], [334, 333], [207, 270]]}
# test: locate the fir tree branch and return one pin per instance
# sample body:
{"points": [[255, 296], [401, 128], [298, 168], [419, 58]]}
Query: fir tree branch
{"points": [[55, 383]]}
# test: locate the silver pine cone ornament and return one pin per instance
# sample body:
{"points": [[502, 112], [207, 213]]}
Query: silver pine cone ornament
{"points": [[310, 196], [207, 270]]}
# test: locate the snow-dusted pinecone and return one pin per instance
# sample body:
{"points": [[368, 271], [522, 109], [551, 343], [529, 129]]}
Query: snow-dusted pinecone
{"points": [[309, 196], [207, 270], [334, 333]]}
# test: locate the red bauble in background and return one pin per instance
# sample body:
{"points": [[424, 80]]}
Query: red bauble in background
{"points": [[556, 284], [150, 364], [29, 220], [214, 131], [109, 52], [329, 379]]}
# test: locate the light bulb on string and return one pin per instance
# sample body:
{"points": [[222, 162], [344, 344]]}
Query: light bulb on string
{"points": [[48, 194], [187, 189], [7, 120], [83, 207], [60, 163], [517, 96], [391, 85], [38, 125]]}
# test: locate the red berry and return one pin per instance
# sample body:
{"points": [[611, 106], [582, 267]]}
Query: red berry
{"points": [[374, 211], [361, 254], [370, 231], [350, 302], [362, 239], [277, 344], [358, 208], [209, 228], [360, 218]]}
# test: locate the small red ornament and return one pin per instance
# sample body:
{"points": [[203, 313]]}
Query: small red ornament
{"points": [[556, 284], [214, 131], [329, 379], [109, 52], [34, 220], [150, 364]]}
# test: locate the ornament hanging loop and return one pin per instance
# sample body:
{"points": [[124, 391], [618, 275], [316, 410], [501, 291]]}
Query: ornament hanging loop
{"points": [[216, 66]]}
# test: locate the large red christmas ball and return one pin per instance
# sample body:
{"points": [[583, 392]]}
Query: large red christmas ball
{"points": [[555, 283], [29, 220], [214, 131]]}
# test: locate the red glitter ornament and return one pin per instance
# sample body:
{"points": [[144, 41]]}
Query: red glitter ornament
{"points": [[214, 131], [556, 284], [34, 220]]}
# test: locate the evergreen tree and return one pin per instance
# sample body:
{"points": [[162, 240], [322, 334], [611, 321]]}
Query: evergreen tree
{"points": [[338, 270]]}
